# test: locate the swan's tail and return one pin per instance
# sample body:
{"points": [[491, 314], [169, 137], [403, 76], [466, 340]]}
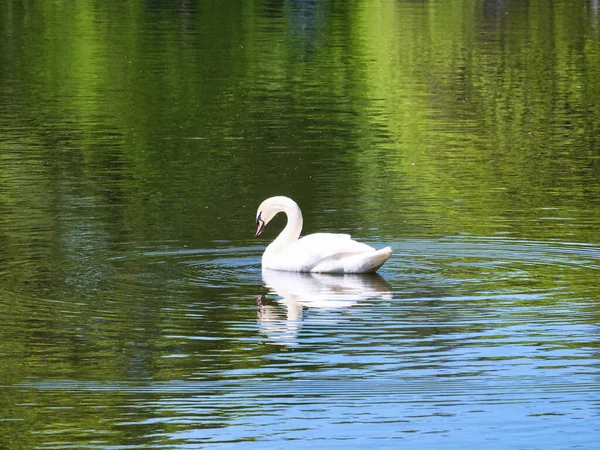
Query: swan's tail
{"points": [[373, 261], [354, 262]]}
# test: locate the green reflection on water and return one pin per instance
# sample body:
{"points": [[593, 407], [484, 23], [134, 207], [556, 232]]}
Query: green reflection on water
{"points": [[129, 128]]}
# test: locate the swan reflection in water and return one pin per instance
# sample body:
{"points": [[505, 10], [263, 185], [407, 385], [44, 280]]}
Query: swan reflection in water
{"points": [[296, 292]]}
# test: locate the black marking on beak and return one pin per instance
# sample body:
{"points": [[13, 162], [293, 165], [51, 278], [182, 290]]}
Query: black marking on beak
{"points": [[260, 223]]}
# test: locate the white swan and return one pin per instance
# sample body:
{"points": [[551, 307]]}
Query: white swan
{"points": [[319, 252]]}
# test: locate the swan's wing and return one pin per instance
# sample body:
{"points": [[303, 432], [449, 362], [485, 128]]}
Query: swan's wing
{"points": [[313, 249], [329, 244]]}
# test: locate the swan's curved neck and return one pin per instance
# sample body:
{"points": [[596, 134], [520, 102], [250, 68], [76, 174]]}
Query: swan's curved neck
{"points": [[292, 230]]}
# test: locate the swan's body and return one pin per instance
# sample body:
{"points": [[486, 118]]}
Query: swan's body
{"points": [[319, 252]]}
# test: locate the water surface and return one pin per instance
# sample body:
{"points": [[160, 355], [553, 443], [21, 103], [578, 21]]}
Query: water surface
{"points": [[138, 139]]}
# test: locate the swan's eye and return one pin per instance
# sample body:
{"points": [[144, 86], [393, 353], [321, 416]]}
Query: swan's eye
{"points": [[258, 219]]}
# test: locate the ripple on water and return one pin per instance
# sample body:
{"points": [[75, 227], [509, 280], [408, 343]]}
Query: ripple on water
{"points": [[217, 268], [457, 335]]}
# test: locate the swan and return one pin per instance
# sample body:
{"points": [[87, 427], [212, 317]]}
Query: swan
{"points": [[318, 252]]}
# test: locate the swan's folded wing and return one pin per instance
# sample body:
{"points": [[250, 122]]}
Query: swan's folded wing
{"points": [[313, 249]]}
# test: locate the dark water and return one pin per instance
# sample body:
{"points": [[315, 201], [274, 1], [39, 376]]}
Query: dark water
{"points": [[137, 140]]}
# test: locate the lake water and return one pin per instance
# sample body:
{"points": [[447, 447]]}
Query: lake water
{"points": [[137, 140]]}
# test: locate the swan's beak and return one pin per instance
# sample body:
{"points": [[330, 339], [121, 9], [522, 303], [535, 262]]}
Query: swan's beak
{"points": [[261, 225]]}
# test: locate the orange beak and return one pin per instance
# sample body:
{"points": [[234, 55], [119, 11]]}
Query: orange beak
{"points": [[261, 226]]}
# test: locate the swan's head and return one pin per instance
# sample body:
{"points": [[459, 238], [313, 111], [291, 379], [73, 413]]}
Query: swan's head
{"points": [[266, 211], [269, 209]]}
